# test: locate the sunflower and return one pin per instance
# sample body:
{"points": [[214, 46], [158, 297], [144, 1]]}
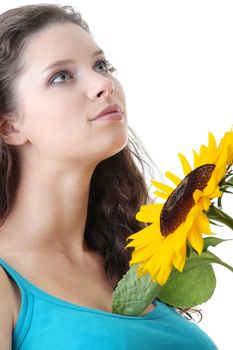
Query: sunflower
{"points": [[182, 217]]}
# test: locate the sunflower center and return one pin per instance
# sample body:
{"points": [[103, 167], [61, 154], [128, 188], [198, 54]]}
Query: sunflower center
{"points": [[180, 201]]}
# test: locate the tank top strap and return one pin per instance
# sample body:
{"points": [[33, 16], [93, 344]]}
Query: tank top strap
{"points": [[26, 307]]}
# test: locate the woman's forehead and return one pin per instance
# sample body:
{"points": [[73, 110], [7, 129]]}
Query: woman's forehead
{"points": [[61, 35], [58, 42]]}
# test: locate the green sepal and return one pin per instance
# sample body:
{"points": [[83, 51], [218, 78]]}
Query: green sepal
{"points": [[225, 183], [216, 260], [218, 215], [133, 293], [214, 223]]}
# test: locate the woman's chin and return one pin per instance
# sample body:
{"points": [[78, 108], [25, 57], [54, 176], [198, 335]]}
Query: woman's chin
{"points": [[114, 148]]}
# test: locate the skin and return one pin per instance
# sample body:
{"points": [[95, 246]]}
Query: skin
{"points": [[59, 145]]}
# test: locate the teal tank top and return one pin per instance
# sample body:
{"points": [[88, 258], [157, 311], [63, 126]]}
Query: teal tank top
{"points": [[47, 322]]}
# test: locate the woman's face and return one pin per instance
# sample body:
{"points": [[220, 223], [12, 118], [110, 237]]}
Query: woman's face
{"points": [[57, 104]]}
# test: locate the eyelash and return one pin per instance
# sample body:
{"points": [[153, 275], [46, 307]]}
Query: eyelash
{"points": [[109, 68]]}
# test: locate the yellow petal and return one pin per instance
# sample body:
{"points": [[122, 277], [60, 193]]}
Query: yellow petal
{"points": [[161, 194], [185, 164], [203, 155], [144, 253], [176, 180], [211, 186], [154, 268], [222, 157], [178, 238], [196, 240], [140, 270], [152, 265], [195, 211], [162, 257], [146, 266], [225, 150], [219, 173], [149, 212], [217, 193], [197, 194], [205, 202], [195, 159], [163, 187], [212, 189], [164, 273], [146, 236], [179, 258], [202, 224], [144, 233], [212, 149]]}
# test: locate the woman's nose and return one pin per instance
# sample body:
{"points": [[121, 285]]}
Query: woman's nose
{"points": [[102, 87]]}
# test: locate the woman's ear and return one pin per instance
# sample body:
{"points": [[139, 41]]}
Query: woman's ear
{"points": [[11, 131]]}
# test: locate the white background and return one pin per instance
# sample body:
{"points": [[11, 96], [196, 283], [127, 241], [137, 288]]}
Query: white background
{"points": [[175, 61]]}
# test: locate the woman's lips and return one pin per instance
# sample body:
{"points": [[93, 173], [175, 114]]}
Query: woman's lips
{"points": [[113, 111], [110, 116]]}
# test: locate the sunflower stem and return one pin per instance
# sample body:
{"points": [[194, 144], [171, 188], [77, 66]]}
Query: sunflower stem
{"points": [[217, 214]]}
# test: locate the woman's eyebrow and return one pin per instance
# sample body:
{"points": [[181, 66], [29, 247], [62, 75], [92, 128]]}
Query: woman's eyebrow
{"points": [[68, 61]]}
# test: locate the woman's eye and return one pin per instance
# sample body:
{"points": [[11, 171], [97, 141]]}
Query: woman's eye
{"points": [[102, 66], [105, 66], [61, 77]]}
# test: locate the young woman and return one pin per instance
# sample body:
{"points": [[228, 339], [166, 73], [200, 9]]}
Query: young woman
{"points": [[70, 189]]}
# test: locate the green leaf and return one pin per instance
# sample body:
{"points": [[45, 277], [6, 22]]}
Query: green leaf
{"points": [[195, 284], [134, 294], [213, 241], [190, 288]]}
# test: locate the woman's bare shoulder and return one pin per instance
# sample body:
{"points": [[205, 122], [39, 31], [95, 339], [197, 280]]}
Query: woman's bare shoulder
{"points": [[6, 309], [9, 291]]}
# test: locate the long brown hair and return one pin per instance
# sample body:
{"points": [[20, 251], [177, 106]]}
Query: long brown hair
{"points": [[118, 186]]}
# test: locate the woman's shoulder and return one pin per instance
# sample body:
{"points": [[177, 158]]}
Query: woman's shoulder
{"points": [[9, 290], [7, 300], [6, 311]]}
